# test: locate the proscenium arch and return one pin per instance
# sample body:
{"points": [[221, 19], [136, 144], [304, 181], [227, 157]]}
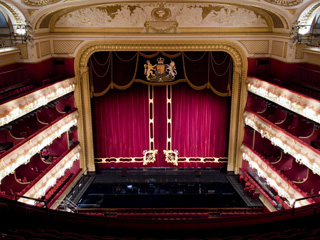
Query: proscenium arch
{"points": [[238, 95]]}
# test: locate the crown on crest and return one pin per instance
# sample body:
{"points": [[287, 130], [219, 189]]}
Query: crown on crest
{"points": [[160, 60]]}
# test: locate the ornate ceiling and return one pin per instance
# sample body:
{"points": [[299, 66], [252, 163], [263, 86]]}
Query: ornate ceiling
{"points": [[228, 16]]}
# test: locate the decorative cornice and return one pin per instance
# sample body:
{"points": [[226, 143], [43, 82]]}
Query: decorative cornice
{"points": [[234, 50]]}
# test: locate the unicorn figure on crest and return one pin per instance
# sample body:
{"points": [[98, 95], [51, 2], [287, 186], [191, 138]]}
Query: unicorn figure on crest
{"points": [[171, 69]]}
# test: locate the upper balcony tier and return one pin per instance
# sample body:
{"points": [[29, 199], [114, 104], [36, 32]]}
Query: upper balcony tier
{"points": [[301, 151], [18, 107], [294, 101]]}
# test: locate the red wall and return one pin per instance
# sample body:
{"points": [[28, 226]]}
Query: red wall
{"points": [[48, 68], [36, 72], [275, 69], [287, 73]]}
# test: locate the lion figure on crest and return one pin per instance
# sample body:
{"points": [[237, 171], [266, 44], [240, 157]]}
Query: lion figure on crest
{"points": [[149, 70]]}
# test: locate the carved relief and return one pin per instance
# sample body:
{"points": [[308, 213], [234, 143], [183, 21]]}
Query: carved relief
{"points": [[186, 15]]}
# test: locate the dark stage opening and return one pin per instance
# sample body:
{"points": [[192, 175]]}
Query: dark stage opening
{"points": [[162, 188]]}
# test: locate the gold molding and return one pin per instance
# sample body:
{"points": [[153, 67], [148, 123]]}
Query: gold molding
{"points": [[18, 17], [305, 16], [239, 90]]}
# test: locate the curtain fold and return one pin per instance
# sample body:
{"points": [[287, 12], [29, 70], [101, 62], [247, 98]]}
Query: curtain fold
{"points": [[200, 122], [120, 122], [200, 107]]}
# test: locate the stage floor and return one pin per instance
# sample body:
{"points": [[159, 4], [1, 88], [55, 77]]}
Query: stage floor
{"points": [[162, 188]]}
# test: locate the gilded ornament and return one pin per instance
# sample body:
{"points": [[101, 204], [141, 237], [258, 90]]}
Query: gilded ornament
{"points": [[160, 72], [285, 2], [161, 13], [17, 15], [39, 2]]}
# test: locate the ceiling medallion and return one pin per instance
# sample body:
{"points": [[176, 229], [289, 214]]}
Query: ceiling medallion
{"points": [[285, 2], [39, 2], [161, 13]]}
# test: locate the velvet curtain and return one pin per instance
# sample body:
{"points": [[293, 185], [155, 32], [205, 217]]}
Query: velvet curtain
{"points": [[120, 122], [120, 106], [200, 122]]}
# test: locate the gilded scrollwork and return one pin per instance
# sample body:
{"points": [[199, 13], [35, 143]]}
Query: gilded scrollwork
{"points": [[16, 14]]}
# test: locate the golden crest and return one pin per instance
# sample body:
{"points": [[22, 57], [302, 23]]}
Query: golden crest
{"points": [[160, 72]]}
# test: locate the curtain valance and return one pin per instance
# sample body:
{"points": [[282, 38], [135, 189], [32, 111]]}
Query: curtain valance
{"points": [[201, 70]]}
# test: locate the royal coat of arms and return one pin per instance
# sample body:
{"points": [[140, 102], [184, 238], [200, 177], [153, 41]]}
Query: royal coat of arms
{"points": [[160, 72]]}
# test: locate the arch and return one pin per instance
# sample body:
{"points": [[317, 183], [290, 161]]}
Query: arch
{"points": [[238, 97], [16, 24], [15, 16]]}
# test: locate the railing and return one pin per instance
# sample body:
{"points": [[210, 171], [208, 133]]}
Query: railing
{"points": [[30, 198], [304, 198]]}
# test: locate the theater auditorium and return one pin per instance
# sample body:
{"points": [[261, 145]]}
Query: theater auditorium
{"points": [[159, 120]]}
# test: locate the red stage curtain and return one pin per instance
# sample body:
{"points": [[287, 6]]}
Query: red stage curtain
{"points": [[120, 122], [200, 122]]}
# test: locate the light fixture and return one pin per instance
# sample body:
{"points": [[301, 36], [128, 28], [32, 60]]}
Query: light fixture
{"points": [[23, 153], [298, 103], [302, 153]]}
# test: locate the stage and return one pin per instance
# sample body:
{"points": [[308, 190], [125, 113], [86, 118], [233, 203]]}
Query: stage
{"points": [[161, 188]]}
